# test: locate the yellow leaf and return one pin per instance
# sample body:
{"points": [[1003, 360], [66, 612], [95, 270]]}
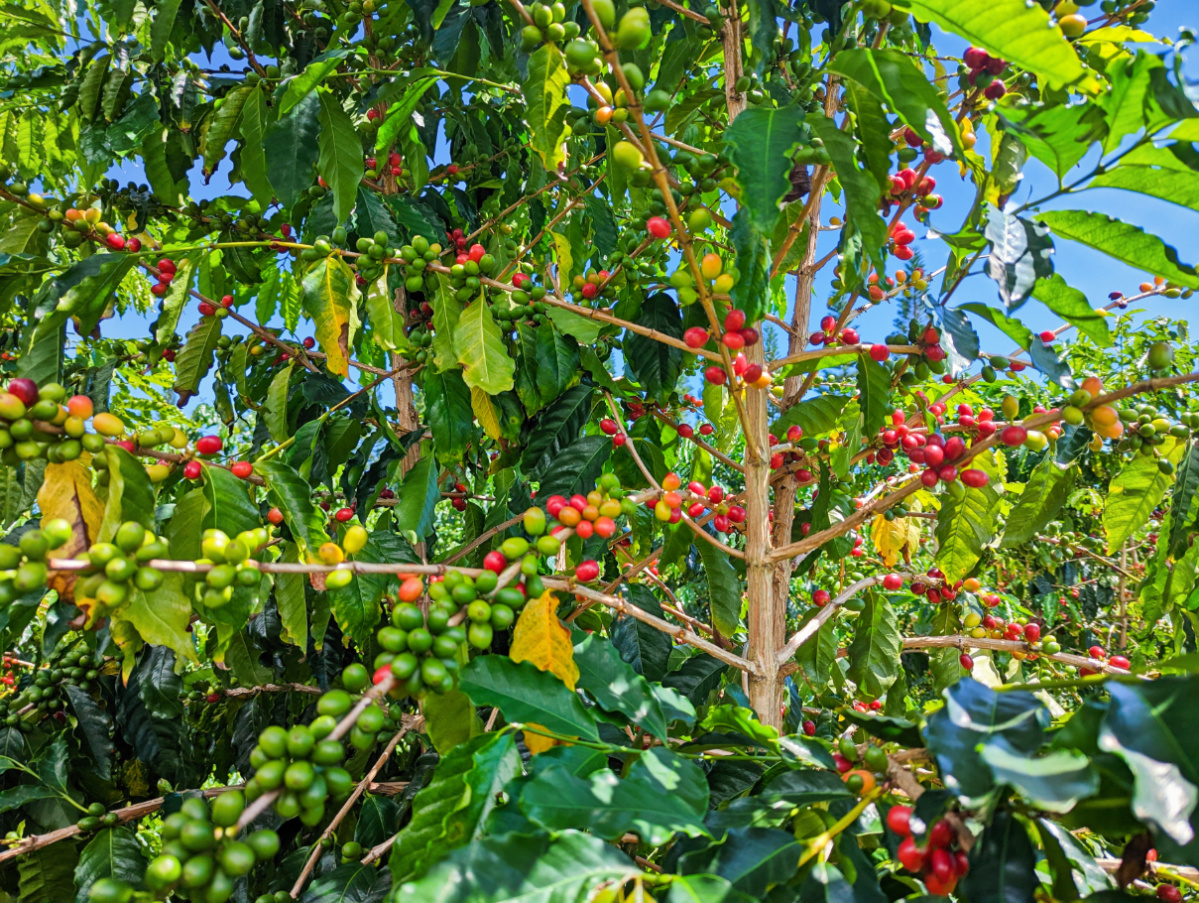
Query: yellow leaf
{"points": [[480, 401], [540, 638], [67, 493], [892, 538], [328, 296]]}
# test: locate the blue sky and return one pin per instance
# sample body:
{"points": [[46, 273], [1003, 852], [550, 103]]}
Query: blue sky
{"points": [[1091, 272]]}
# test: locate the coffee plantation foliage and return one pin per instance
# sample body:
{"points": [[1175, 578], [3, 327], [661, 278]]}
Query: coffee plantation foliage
{"points": [[453, 469]]}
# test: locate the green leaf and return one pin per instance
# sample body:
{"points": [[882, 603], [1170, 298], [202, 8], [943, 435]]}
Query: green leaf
{"points": [[162, 26], [450, 719], [1054, 782], [1012, 30], [1126, 105], [874, 652], [229, 505], [804, 786], [479, 346], [162, 621], [418, 497], [47, 875], [752, 247], [447, 313], [1186, 483], [967, 524], [1020, 255], [546, 103], [972, 716], [449, 413], [96, 725], [874, 393], [256, 116], [645, 648], [351, 882], [291, 600], [1155, 172], [222, 126], [760, 142], [1066, 857], [399, 116], [704, 889], [1152, 728], [582, 329], [340, 159], [862, 192], [576, 467], [300, 86], [1012, 328], [387, 326], [113, 853], [1121, 241], [449, 810], [292, 495], [291, 151], [525, 694], [175, 300], [1133, 495], [655, 364], [329, 295], [1072, 306], [616, 686], [195, 360], [816, 416], [1057, 135], [892, 77], [1047, 489], [724, 588], [826, 884], [548, 362], [567, 868], [130, 493], [274, 409], [756, 859], [1003, 864], [661, 795]]}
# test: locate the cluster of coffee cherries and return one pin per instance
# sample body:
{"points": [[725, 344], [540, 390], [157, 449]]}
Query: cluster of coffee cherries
{"points": [[549, 25], [938, 862], [219, 310], [860, 772], [711, 268], [116, 567], [149, 438], [23, 566], [202, 856], [97, 817], [303, 765], [590, 286], [878, 288], [1099, 654], [907, 185], [984, 72], [525, 303], [420, 330], [468, 266], [36, 423], [394, 164], [231, 563], [421, 651], [45, 693], [415, 259]]}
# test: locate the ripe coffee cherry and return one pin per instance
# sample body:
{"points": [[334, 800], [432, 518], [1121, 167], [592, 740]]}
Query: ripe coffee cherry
{"points": [[658, 227], [209, 445], [696, 337], [966, 661], [1168, 893], [242, 469], [879, 353], [734, 320], [910, 856], [716, 375], [275, 516], [995, 90], [609, 427], [192, 470], [1013, 435], [849, 336], [941, 835], [733, 341], [205, 309], [1032, 633], [227, 301], [899, 820], [975, 479], [809, 728], [892, 582], [344, 514], [587, 570], [115, 241], [495, 561], [820, 598], [1119, 661]]}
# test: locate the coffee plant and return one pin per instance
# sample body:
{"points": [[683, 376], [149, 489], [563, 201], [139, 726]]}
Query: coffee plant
{"points": [[478, 452]]}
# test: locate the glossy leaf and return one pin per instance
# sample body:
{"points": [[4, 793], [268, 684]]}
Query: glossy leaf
{"points": [[480, 349], [113, 853], [616, 686], [1133, 495], [966, 525], [545, 89], [1072, 306], [1121, 241], [761, 141], [523, 693], [328, 295], [874, 652], [1047, 489]]}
